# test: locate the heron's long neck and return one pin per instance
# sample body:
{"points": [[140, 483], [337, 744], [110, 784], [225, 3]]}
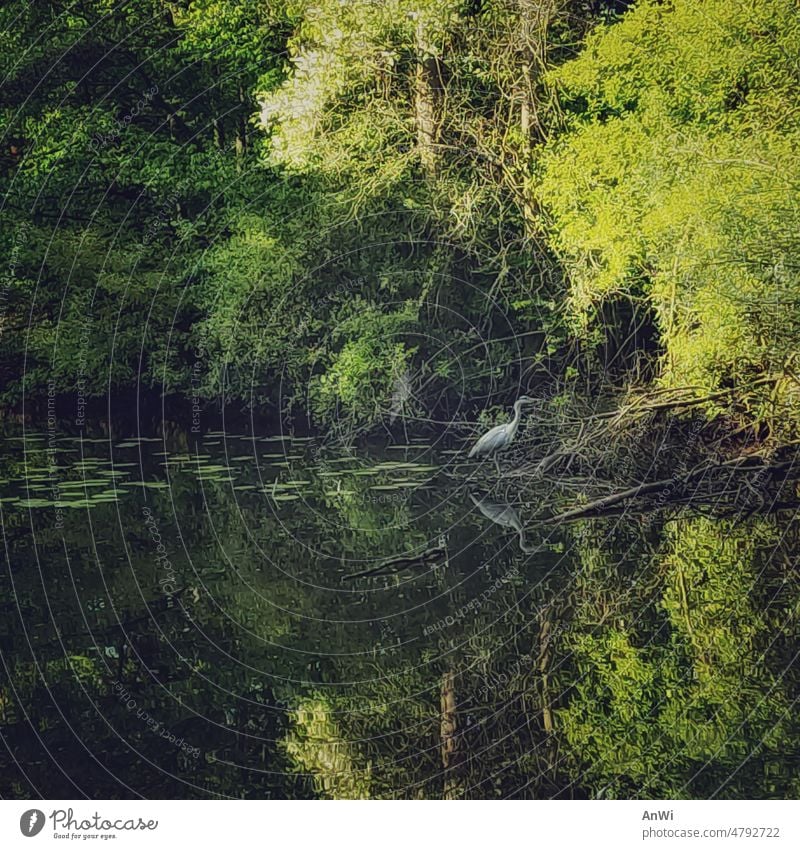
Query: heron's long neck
{"points": [[515, 421]]}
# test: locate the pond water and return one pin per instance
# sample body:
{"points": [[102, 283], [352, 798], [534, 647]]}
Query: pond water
{"points": [[268, 617]]}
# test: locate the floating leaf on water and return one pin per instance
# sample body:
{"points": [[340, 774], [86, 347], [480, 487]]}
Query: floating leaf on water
{"points": [[82, 484], [212, 571], [412, 467], [36, 502]]}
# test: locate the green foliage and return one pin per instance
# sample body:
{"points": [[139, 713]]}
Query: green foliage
{"points": [[677, 183], [657, 718], [126, 132], [315, 744], [363, 372], [198, 209]]}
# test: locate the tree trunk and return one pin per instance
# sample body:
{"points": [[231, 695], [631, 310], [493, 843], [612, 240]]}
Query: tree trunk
{"points": [[452, 755], [534, 21], [241, 133], [428, 88], [544, 666]]}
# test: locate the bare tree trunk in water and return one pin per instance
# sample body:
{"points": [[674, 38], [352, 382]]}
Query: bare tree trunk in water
{"points": [[544, 663], [452, 753]]}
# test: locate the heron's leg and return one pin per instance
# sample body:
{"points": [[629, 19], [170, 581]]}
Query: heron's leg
{"points": [[497, 463]]}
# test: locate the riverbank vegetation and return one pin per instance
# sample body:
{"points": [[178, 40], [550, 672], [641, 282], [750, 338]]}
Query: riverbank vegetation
{"points": [[362, 211]]}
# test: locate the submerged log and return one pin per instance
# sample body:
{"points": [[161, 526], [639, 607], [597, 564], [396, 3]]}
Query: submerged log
{"points": [[388, 567]]}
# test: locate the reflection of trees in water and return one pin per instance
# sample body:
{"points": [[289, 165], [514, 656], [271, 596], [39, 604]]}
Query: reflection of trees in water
{"points": [[680, 674], [650, 663]]}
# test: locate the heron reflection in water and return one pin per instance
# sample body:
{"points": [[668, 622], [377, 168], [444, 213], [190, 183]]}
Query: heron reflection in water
{"points": [[503, 514]]}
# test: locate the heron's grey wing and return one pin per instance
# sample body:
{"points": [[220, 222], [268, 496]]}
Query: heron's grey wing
{"points": [[477, 448], [492, 440], [485, 444], [499, 438]]}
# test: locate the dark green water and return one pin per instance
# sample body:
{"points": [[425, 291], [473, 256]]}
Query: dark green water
{"points": [[184, 620]]}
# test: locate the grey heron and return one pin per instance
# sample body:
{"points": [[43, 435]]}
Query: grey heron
{"points": [[499, 438]]}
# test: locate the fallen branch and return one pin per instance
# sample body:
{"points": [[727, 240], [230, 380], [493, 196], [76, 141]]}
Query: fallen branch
{"points": [[602, 505], [394, 564]]}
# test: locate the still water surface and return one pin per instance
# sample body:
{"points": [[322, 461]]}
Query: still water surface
{"points": [[271, 617]]}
